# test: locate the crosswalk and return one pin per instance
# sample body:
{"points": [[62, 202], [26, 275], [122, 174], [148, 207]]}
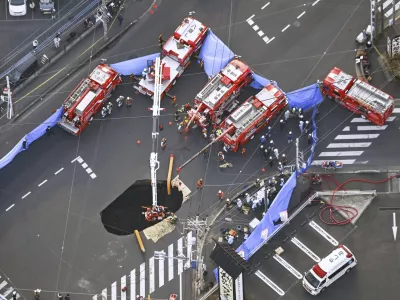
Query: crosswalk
{"points": [[150, 275], [6, 290], [387, 6], [351, 143], [298, 255]]}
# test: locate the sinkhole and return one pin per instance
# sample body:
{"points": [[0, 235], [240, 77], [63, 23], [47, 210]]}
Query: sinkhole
{"points": [[125, 214]]}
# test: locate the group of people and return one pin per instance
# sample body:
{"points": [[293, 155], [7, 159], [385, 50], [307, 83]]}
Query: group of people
{"points": [[37, 292]]}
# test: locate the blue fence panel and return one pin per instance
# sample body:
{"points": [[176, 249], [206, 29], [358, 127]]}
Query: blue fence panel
{"points": [[305, 98], [134, 66]]}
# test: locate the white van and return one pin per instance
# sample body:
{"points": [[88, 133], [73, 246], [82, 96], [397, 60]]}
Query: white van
{"points": [[328, 270]]}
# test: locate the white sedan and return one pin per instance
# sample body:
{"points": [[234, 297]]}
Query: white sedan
{"points": [[17, 7]]}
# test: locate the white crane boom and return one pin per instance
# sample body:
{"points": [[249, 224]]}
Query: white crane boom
{"points": [[154, 163]]}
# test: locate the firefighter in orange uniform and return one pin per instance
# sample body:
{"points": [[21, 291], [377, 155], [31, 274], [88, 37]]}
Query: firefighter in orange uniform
{"points": [[220, 195], [200, 183]]}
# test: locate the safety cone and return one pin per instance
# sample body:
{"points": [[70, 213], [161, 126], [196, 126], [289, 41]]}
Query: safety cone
{"points": [[138, 142], [155, 6], [151, 11]]}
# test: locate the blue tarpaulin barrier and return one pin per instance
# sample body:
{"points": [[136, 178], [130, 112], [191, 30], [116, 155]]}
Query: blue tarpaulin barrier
{"points": [[305, 98], [134, 66], [215, 271], [31, 137], [215, 54], [259, 82]]}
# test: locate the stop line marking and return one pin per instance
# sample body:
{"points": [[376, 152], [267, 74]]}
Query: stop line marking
{"points": [[306, 250], [322, 232], [288, 266]]}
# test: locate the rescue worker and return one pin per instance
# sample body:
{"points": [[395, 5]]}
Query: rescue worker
{"points": [[219, 132], [310, 139], [176, 116], [276, 153], [228, 204], [144, 73], [290, 137], [239, 204], [174, 101], [284, 159], [243, 151], [306, 126], [128, 102], [266, 153], [280, 167], [281, 124], [160, 40], [57, 42], [221, 157], [120, 101], [60, 296], [220, 195], [200, 183], [67, 297], [263, 140], [271, 144], [248, 198], [368, 45], [188, 107], [294, 112], [35, 43], [212, 137], [37, 293], [258, 182], [271, 161], [301, 126], [231, 239], [225, 148], [269, 134], [282, 182], [163, 143], [204, 131], [202, 64], [254, 205], [109, 108], [287, 115], [180, 127], [104, 111]]}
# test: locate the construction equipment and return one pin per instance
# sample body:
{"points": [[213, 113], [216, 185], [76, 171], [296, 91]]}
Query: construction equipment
{"points": [[176, 54], [218, 97], [88, 98], [254, 114], [358, 96]]}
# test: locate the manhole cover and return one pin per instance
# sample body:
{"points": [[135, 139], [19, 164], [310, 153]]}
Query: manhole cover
{"points": [[296, 24]]}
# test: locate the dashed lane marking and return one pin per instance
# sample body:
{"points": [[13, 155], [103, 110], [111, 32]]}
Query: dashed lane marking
{"points": [[89, 170], [322, 232], [344, 161], [58, 171], [342, 153], [269, 282], [260, 33], [315, 2], [367, 128], [347, 128], [80, 160], [251, 17], [306, 250], [43, 182], [84, 165], [270, 40], [10, 207], [75, 159], [356, 136], [349, 145], [26, 195], [266, 39], [287, 26], [250, 22], [266, 5], [288, 266], [302, 14], [93, 175]]}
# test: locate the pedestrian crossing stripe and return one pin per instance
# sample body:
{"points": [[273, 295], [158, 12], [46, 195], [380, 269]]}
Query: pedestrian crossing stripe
{"points": [[349, 145], [341, 153], [396, 110], [356, 136], [123, 285], [367, 128], [344, 161]]}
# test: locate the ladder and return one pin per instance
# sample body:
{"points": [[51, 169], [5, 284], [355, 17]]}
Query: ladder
{"points": [[74, 97]]}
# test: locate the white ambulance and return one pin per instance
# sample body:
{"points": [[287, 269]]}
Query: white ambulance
{"points": [[328, 270]]}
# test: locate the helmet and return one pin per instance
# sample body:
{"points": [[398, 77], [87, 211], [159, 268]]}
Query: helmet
{"points": [[263, 137], [283, 155], [280, 163], [290, 132], [281, 121], [301, 116], [219, 191], [14, 293], [269, 128], [247, 194], [145, 69], [271, 141], [273, 178]]}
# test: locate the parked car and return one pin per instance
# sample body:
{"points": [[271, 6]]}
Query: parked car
{"points": [[17, 7]]}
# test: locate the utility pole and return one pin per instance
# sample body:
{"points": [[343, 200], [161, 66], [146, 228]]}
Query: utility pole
{"points": [[10, 107], [103, 16], [394, 12], [200, 228], [297, 156]]}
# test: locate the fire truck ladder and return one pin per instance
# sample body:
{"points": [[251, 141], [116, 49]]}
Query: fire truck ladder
{"points": [[154, 163], [78, 92]]}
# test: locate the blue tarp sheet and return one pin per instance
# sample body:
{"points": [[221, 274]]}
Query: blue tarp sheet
{"points": [[215, 54], [31, 137], [305, 98], [134, 66], [259, 82]]}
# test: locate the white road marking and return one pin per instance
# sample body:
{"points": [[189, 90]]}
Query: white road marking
{"points": [[80, 160], [189, 249], [366, 128], [302, 14], [123, 284], [151, 275], [266, 39], [10, 207], [251, 17], [255, 27], [93, 175], [390, 119], [269, 282], [84, 165], [315, 2], [288, 266], [342, 153], [104, 294], [396, 111], [356, 136], [266, 5], [94, 297], [58, 171], [26, 195], [161, 272], [269, 41], [349, 145], [8, 292], [344, 161], [287, 26], [142, 280], [3, 284], [260, 33], [170, 262], [322, 232], [43, 182], [75, 159], [347, 128], [306, 250], [89, 170], [390, 11], [180, 252], [250, 22], [133, 284], [114, 291], [360, 120]]}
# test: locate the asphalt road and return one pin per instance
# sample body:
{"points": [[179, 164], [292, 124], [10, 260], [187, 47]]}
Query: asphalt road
{"points": [[63, 211]]}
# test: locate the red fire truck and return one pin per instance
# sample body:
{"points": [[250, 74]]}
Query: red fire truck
{"points": [[358, 96], [254, 114], [88, 98], [220, 93], [176, 52]]}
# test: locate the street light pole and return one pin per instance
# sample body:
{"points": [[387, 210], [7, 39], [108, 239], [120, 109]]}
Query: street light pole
{"points": [[104, 18], [10, 108]]}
